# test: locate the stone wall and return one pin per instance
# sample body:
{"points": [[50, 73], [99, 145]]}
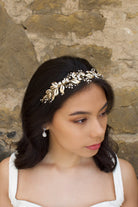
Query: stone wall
{"points": [[103, 31]]}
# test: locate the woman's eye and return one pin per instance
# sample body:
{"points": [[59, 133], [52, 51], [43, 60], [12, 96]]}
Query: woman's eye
{"points": [[103, 114], [80, 121]]}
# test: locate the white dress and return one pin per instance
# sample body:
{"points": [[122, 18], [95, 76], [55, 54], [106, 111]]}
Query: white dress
{"points": [[13, 182]]}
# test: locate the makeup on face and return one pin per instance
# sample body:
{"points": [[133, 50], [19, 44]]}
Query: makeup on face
{"points": [[94, 147], [87, 113], [78, 127], [81, 116]]}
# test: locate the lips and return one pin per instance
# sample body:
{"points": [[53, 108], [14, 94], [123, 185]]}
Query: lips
{"points": [[94, 147]]}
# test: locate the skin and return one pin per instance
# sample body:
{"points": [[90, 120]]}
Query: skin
{"points": [[76, 125], [68, 166]]}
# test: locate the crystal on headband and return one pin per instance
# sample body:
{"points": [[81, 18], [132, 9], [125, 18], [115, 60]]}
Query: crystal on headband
{"points": [[70, 81]]}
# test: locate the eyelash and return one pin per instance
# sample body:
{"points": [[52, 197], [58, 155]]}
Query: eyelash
{"points": [[81, 121], [103, 114]]}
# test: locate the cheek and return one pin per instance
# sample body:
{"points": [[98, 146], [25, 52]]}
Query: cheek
{"points": [[66, 134], [65, 127], [104, 124], [103, 121]]}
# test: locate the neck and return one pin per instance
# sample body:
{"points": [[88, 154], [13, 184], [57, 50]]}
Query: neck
{"points": [[63, 159]]}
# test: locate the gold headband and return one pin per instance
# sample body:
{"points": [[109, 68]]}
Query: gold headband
{"points": [[71, 80]]}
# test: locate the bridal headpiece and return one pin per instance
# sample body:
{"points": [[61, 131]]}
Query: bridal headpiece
{"points": [[70, 81]]}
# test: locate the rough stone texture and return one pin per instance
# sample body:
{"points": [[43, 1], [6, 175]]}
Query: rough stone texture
{"points": [[8, 118], [3, 152], [103, 31], [97, 4], [50, 24], [99, 56], [131, 15], [16, 54], [129, 152], [17, 64], [8, 140], [126, 110], [47, 6], [17, 9], [11, 98]]}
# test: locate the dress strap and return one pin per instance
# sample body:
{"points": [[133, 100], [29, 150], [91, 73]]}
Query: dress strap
{"points": [[119, 191], [13, 179]]}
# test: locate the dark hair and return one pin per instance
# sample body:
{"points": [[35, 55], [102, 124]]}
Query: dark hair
{"points": [[32, 147]]}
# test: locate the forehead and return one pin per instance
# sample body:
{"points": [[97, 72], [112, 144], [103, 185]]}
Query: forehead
{"points": [[92, 97]]}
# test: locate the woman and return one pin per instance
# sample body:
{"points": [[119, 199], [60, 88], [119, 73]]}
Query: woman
{"points": [[64, 158]]}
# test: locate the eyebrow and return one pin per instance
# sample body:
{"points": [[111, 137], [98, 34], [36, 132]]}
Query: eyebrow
{"points": [[85, 112], [103, 106]]}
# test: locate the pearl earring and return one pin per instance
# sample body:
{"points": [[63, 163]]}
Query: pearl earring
{"points": [[44, 134]]}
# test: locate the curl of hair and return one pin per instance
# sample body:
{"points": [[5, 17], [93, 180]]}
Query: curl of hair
{"points": [[32, 147]]}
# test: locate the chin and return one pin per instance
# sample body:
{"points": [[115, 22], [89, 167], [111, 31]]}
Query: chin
{"points": [[91, 154]]}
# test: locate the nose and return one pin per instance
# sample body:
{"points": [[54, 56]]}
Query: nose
{"points": [[97, 129]]}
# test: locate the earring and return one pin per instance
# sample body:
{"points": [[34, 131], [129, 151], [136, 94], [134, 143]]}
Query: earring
{"points": [[44, 134]]}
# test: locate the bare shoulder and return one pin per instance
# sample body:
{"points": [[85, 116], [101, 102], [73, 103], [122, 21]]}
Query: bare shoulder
{"points": [[4, 183], [129, 182], [126, 166], [4, 170], [127, 170], [4, 165]]}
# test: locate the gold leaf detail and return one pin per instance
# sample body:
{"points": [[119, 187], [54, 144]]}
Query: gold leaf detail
{"points": [[54, 85], [72, 79], [56, 92], [75, 81], [73, 75], [62, 88], [90, 76], [49, 95]]}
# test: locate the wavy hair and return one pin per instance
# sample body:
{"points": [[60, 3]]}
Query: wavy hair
{"points": [[32, 147]]}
